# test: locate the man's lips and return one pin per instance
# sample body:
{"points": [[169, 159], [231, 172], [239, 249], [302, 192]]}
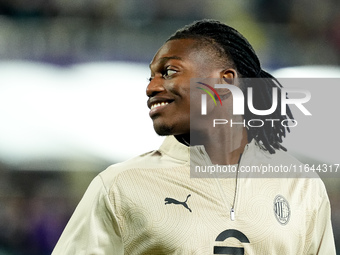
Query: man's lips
{"points": [[157, 103]]}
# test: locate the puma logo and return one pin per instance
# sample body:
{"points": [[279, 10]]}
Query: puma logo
{"points": [[169, 200]]}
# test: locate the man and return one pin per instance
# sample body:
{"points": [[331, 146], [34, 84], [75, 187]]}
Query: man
{"points": [[150, 205]]}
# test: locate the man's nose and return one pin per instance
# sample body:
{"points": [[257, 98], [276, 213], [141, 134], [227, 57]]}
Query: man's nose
{"points": [[156, 85]]}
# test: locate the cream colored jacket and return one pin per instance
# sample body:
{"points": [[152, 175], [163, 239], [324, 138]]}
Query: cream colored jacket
{"points": [[150, 205]]}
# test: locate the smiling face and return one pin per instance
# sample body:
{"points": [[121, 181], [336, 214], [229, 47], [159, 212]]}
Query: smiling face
{"points": [[176, 62]]}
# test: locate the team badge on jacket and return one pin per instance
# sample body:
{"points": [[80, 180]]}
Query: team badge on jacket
{"points": [[281, 209]]}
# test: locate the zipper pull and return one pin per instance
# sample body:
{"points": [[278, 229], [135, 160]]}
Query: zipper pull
{"points": [[232, 214]]}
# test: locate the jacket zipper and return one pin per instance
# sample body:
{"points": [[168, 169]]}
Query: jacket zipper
{"points": [[232, 210]]}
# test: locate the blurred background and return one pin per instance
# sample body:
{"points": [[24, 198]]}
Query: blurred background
{"points": [[72, 92]]}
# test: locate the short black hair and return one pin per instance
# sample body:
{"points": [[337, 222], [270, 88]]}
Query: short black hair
{"points": [[228, 42]]}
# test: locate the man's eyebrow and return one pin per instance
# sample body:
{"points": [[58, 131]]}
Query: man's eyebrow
{"points": [[165, 59]]}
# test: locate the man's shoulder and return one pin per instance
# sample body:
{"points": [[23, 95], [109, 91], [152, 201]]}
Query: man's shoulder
{"points": [[255, 154], [145, 160], [156, 159], [256, 151], [279, 164]]}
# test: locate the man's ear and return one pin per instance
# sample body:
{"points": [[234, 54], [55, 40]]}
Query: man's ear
{"points": [[229, 75]]}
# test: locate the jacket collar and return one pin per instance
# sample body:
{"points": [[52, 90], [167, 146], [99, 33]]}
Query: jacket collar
{"points": [[173, 148]]}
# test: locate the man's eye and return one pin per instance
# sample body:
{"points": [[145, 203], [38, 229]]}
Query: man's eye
{"points": [[168, 73]]}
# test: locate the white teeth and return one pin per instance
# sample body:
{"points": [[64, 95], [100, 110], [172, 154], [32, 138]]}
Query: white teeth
{"points": [[158, 104]]}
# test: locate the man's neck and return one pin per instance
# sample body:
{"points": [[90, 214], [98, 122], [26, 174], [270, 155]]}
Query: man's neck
{"points": [[184, 139]]}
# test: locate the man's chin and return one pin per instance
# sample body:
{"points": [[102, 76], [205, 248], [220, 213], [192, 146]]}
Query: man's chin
{"points": [[163, 130]]}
